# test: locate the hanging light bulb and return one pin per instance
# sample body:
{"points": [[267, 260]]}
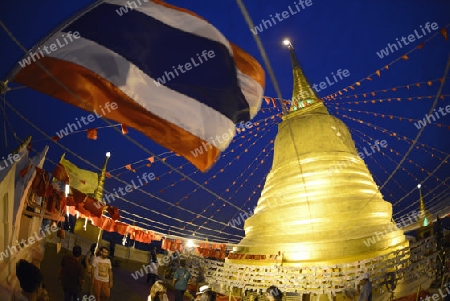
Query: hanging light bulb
{"points": [[190, 243]]}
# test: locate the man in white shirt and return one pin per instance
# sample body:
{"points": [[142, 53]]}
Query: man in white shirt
{"points": [[102, 275]]}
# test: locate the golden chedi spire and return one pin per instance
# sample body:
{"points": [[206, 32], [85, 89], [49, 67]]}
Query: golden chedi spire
{"points": [[302, 95], [320, 203], [423, 214], [98, 194]]}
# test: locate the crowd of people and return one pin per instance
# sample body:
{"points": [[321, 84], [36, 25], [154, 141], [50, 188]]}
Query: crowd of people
{"points": [[92, 274]]}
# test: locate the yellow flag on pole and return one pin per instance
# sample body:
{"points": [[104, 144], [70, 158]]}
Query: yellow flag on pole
{"points": [[82, 180]]}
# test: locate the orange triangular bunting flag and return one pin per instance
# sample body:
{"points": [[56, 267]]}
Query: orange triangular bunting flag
{"points": [[267, 100], [92, 134], [128, 166], [405, 57], [444, 33], [124, 129], [108, 175], [274, 102], [386, 67], [151, 159], [420, 46], [378, 73]]}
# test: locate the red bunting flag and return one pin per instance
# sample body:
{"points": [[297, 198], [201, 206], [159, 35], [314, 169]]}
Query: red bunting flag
{"points": [[60, 174], [92, 134], [24, 171], [444, 33]]}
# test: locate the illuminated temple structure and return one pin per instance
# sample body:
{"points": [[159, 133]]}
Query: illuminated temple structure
{"points": [[321, 221]]}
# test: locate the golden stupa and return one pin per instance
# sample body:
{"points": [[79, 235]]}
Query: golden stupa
{"points": [[321, 220]]}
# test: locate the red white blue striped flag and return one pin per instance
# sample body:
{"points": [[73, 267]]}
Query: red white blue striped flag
{"points": [[173, 75]]}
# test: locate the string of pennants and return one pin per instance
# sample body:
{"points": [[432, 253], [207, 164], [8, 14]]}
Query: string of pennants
{"points": [[207, 250], [92, 133], [51, 187], [83, 205], [399, 118], [148, 162], [373, 101], [442, 31], [373, 93]]}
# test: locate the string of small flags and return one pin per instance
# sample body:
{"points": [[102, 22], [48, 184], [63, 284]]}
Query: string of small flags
{"points": [[442, 31]]}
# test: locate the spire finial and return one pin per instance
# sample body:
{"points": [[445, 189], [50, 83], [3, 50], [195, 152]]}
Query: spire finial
{"points": [[302, 95]]}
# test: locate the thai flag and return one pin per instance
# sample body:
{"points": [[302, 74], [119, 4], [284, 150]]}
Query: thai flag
{"points": [[171, 74]]}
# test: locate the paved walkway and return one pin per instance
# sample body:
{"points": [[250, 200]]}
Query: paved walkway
{"points": [[125, 288]]}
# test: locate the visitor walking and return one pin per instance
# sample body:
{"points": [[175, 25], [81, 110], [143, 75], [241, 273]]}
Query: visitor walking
{"points": [[87, 263], [72, 275], [365, 288], [273, 293], [152, 275], [180, 281], [102, 275]]}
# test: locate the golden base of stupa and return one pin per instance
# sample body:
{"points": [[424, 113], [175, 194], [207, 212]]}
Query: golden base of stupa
{"points": [[309, 210]]}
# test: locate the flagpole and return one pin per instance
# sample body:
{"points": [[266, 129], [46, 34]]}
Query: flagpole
{"points": [[98, 194]]}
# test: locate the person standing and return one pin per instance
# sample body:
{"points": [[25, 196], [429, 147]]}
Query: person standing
{"points": [[203, 289], [158, 292], [30, 279], [273, 293], [180, 280], [87, 264], [71, 275], [102, 275], [365, 292], [152, 275]]}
